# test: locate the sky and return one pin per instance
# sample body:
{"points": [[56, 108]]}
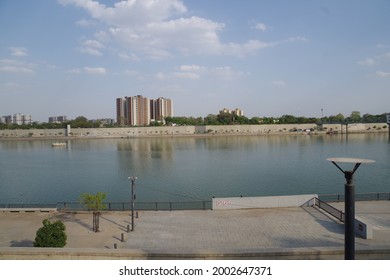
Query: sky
{"points": [[266, 57]]}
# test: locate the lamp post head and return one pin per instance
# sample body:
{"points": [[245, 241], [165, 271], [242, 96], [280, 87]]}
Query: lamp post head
{"points": [[349, 174], [132, 178], [351, 160]]}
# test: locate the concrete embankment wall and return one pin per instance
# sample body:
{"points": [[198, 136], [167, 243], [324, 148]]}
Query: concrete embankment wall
{"points": [[190, 130], [313, 253], [230, 203]]}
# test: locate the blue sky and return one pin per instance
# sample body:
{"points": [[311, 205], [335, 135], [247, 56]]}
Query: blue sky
{"points": [[266, 57]]}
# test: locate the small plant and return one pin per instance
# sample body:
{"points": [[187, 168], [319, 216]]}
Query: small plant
{"points": [[51, 235], [94, 202]]}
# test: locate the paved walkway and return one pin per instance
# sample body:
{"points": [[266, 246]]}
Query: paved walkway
{"points": [[205, 231]]}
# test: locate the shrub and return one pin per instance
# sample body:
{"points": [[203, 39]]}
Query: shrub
{"points": [[51, 235]]}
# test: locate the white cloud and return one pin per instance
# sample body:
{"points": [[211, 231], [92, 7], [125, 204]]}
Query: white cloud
{"points": [[375, 60], [128, 56], [18, 51], [382, 74], [261, 27], [95, 70], [91, 47], [186, 75], [367, 62], [131, 72], [279, 83], [86, 23], [225, 73], [11, 84], [15, 66], [131, 12], [196, 72], [160, 29], [89, 70], [161, 76], [195, 68], [295, 39]]}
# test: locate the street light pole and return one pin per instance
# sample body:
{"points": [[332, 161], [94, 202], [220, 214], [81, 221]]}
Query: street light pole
{"points": [[349, 208], [132, 178], [349, 205]]}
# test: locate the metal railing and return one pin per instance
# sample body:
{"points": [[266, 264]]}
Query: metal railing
{"points": [[119, 206], [182, 205], [358, 197], [338, 214], [156, 206], [28, 205]]}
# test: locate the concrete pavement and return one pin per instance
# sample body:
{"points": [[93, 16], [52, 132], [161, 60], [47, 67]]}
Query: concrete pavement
{"points": [[202, 231]]}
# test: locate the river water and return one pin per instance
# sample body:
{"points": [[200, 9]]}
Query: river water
{"points": [[189, 168]]}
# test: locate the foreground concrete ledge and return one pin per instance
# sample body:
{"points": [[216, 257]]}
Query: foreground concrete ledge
{"points": [[315, 253]]}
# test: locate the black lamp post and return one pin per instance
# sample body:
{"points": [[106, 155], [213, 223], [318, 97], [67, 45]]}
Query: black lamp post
{"points": [[349, 205], [132, 178]]}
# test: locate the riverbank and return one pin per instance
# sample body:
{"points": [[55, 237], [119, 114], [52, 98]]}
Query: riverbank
{"points": [[286, 233], [170, 131]]}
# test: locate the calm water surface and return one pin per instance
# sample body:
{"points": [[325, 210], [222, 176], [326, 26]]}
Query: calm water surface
{"points": [[188, 168]]}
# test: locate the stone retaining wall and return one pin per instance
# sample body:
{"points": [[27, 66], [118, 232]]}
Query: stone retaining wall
{"points": [[120, 132]]}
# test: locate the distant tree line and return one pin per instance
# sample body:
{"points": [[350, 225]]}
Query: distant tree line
{"points": [[355, 117], [80, 121], [231, 119], [220, 119]]}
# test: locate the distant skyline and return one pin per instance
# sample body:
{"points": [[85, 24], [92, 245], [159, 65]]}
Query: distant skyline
{"points": [[266, 57]]}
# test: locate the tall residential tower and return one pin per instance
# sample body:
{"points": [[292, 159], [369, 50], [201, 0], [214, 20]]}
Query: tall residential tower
{"points": [[139, 110]]}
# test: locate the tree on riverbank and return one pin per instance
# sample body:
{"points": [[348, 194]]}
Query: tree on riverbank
{"points": [[94, 203], [51, 235]]}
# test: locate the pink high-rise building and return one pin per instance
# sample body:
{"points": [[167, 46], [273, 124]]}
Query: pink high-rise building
{"points": [[139, 110]]}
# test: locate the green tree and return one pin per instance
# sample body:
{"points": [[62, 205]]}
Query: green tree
{"points": [[94, 203], [51, 235], [211, 120], [337, 119], [226, 118], [354, 117], [288, 119]]}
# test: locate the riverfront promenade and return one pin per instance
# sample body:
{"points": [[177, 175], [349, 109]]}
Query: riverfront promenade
{"points": [[233, 234]]}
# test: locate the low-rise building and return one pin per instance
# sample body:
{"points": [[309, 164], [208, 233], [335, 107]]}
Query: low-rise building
{"points": [[18, 119], [58, 119], [237, 112]]}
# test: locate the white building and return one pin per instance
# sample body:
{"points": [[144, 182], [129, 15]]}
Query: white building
{"points": [[18, 119]]}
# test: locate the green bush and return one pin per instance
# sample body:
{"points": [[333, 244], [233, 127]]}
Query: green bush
{"points": [[51, 235]]}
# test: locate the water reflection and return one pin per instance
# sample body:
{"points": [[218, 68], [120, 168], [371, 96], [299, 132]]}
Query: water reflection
{"points": [[184, 168]]}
